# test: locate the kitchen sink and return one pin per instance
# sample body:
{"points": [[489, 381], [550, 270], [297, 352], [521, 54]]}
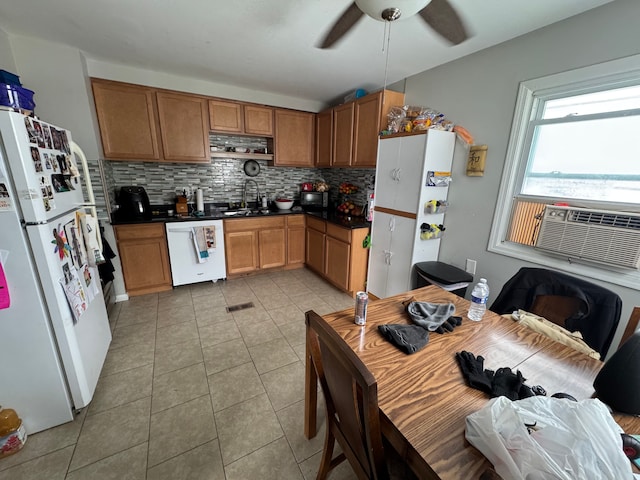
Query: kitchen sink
{"points": [[246, 211]]}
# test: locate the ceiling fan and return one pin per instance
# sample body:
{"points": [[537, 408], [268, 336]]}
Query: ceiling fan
{"points": [[438, 14]]}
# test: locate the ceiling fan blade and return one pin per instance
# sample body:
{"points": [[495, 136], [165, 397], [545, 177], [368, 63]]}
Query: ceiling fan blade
{"points": [[347, 20], [441, 16]]}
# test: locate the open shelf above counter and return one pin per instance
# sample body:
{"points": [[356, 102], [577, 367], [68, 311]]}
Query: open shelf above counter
{"points": [[246, 156]]}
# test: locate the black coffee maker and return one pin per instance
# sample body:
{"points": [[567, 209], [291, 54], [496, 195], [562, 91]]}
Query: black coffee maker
{"points": [[134, 204]]}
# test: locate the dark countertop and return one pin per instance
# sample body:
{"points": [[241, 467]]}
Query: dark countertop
{"points": [[159, 214], [341, 220]]}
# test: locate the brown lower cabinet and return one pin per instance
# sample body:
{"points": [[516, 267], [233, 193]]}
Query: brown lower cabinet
{"points": [[241, 249], [251, 245], [144, 257], [315, 244], [337, 254], [255, 244], [295, 240]]}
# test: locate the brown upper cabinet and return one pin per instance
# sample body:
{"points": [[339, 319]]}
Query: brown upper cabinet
{"points": [[324, 138], [225, 116], [343, 135], [258, 120], [241, 119], [150, 124], [294, 140], [144, 123], [184, 127], [128, 120], [355, 127]]}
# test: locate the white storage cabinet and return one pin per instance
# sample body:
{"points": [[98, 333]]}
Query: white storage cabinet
{"points": [[400, 196]]}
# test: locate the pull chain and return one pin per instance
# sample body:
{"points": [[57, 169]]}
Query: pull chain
{"points": [[384, 35], [387, 32]]}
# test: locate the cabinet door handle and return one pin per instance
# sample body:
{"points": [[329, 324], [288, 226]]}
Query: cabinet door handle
{"points": [[398, 172], [392, 224], [390, 255]]}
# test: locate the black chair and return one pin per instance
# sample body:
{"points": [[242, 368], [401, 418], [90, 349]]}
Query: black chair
{"points": [[353, 416], [570, 302]]}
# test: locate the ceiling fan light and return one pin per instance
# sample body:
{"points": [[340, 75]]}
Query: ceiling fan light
{"points": [[374, 8]]}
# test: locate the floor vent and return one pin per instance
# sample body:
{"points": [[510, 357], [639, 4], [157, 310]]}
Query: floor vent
{"points": [[240, 306]]}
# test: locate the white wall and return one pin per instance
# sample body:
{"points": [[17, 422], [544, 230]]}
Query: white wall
{"points": [[6, 55], [479, 92], [57, 75]]}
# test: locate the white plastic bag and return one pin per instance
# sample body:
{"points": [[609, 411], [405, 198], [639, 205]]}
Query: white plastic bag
{"points": [[565, 440]]}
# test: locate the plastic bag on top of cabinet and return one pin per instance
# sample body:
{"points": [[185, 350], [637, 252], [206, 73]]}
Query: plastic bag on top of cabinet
{"points": [[549, 438]]}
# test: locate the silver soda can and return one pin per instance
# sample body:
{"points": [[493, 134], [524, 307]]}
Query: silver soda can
{"points": [[361, 308]]}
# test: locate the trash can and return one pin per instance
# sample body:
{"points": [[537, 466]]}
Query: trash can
{"points": [[448, 277]]}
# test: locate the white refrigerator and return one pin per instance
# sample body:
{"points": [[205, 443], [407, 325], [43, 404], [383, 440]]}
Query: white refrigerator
{"points": [[54, 328]]}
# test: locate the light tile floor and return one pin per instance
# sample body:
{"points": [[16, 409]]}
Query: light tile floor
{"points": [[190, 391]]}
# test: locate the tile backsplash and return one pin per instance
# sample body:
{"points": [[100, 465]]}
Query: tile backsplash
{"points": [[222, 180]]}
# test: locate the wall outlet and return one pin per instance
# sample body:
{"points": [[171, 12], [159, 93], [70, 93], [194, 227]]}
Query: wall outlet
{"points": [[471, 266]]}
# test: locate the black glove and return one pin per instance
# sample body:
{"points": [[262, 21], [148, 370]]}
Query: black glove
{"points": [[473, 371], [408, 338], [538, 390], [508, 384], [525, 392], [449, 325]]}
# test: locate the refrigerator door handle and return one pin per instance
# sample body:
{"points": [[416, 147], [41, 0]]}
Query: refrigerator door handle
{"points": [[75, 148]]}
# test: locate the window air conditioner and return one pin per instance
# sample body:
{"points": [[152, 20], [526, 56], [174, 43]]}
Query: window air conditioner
{"points": [[605, 237]]}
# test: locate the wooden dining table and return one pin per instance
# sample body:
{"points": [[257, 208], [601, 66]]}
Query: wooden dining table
{"points": [[423, 397]]}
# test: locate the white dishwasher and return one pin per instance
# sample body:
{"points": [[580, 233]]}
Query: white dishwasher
{"points": [[196, 251]]}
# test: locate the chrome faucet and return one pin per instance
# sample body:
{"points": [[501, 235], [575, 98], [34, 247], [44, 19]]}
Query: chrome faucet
{"points": [[244, 193]]}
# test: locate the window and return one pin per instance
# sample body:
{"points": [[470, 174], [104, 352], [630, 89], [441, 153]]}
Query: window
{"points": [[573, 142], [584, 147]]}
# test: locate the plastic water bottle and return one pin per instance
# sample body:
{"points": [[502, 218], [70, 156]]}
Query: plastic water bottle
{"points": [[479, 297]]}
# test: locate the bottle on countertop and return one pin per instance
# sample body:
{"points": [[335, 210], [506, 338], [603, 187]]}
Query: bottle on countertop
{"points": [[264, 201], [479, 297]]}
